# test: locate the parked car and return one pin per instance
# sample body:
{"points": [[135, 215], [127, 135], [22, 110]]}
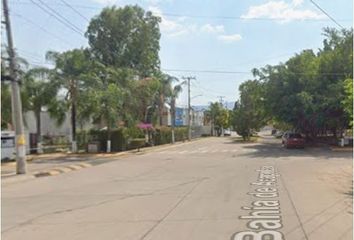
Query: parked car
{"points": [[291, 139], [227, 132]]}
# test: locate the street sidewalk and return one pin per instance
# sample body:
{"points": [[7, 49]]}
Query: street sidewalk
{"points": [[57, 163]]}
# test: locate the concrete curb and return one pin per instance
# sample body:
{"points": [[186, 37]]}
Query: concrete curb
{"points": [[103, 155], [45, 173], [74, 167], [17, 178], [61, 170], [341, 149]]}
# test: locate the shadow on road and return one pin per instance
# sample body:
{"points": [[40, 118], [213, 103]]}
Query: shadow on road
{"points": [[271, 148]]}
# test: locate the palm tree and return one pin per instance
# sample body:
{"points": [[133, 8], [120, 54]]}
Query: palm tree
{"points": [[70, 73], [38, 92], [175, 92], [165, 92]]}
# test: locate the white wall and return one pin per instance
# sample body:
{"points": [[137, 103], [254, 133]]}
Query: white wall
{"points": [[49, 126]]}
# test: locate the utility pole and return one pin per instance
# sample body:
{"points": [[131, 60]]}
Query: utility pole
{"points": [[189, 106], [221, 100], [15, 99], [222, 106]]}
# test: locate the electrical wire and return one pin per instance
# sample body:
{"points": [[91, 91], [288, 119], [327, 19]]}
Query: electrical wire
{"points": [[77, 12], [40, 27], [204, 71], [58, 17], [240, 72], [197, 16], [330, 17]]}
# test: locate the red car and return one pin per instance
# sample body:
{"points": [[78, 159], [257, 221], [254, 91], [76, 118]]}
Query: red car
{"points": [[295, 140]]}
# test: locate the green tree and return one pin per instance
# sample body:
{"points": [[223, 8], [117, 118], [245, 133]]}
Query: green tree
{"points": [[165, 92], [144, 93], [5, 106], [38, 92], [348, 100], [107, 106], [249, 114], [70, 73], [174, 95], [240, 122], [126, 37], [218, 116], [306, 91]]}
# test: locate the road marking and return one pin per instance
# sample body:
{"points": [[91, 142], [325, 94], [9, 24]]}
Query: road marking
{"points": [[264, 217]]}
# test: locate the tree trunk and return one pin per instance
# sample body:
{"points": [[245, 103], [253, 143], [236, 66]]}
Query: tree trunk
{"points": [[334, 131], [173, 118], [73, 118], [108, 137], [161, 109], [39, 134]]}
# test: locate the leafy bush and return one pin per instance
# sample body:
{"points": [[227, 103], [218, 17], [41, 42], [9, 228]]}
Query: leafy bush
{"points": [[181, 133], [126, 138], [163, 135], [120, 138], [137, 143]]}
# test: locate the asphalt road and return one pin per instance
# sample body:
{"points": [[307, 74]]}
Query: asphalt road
{"points": [[208, 189]]}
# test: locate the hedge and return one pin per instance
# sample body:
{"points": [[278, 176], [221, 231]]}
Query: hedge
{"points": [[163, 135], [123, 138]]}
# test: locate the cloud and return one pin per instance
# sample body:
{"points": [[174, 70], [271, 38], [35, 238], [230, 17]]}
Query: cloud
{"points": [[281, 11], [180, 26], [230, 38], [208, 28], [170, 27]]}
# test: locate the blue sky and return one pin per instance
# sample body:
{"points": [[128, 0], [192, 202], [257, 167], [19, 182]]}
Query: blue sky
{"points": [[199, 35]]}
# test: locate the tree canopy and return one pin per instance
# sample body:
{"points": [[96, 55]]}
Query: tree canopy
{"points": [[126, 37], [309, 91]]}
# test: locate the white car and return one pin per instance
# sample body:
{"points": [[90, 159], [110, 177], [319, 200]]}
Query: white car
{"points": [[227, 132]]}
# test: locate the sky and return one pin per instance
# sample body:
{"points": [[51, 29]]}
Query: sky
{"points": [[217, 42]]}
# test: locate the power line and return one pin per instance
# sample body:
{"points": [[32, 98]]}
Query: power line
{"points": [[195, 16], [322, 10], [40, 27], [240, 18], [60, 4], [204, 71], [211, 93], [28, 55], [77, 12], [58, 17], [240, 72]]}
